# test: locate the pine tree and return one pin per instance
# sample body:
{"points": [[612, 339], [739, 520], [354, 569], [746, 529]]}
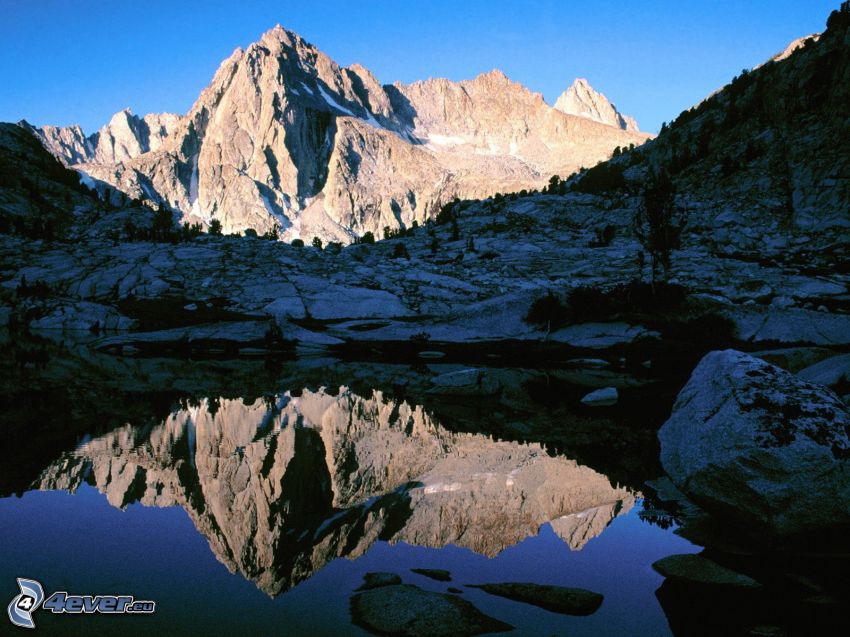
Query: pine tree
{"points": [[658, 223]]}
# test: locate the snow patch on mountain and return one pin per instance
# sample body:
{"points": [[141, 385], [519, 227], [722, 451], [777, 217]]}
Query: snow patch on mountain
{"points": [[333, 103]]}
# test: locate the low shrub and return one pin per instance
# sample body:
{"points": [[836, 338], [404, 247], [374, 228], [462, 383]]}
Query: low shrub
{"points": [[590, 304], [548, 312], [39, 290], [712, 331], [604, 236], [446, 213], [604, 177], [593, 304], [400, 251]]}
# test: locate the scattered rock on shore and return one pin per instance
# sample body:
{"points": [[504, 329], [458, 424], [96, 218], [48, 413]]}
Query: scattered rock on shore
{"points": [[696, 569], [558, 599], [466, 382], [601, 397], [408, 610]]}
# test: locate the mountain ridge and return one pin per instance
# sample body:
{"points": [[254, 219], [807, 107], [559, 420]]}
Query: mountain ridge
{"points": [[284, 137]]}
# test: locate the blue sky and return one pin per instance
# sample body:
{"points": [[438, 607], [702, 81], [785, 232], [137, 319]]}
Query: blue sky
{"points": [[64, 62]]}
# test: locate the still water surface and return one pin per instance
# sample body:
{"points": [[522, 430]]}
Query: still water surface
{"points": [[263, 514]]}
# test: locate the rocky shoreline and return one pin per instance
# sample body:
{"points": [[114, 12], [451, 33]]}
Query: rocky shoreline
{"points": [[475, 288]]}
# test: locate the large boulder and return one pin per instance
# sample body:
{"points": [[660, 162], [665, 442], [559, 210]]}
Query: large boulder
{"points": [[760, 446]]}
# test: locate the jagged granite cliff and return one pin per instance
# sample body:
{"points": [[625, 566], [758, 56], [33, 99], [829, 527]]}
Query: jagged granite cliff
{"points": [[285, 137], [580, 99], [126, 136]]}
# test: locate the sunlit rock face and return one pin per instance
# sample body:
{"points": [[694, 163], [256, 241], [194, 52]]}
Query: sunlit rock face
{"points": [[283, 136], [582, 100], [125, 137], [282, 486]]}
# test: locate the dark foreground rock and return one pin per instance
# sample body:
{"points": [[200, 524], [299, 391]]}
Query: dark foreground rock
{"points": [[258, 336], [760, 447], [695, 569], [408, 610], [711, 610], [558, 599], [434, 573], [376, 580], [466, 382]]}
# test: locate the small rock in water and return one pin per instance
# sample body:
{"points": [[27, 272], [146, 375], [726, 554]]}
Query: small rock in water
{"points": [[408, 610], [376, 580], [593, 363], [601, 397], [558, 599], [782, 302], [695, 569], [431, 354], [434, 573]]}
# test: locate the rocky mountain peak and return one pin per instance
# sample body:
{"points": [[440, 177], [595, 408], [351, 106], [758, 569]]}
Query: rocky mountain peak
{"points": [[285, 138], [583, 100], [283, 36], [68, 143], [495, 76], [127, 136], [122, 116]]}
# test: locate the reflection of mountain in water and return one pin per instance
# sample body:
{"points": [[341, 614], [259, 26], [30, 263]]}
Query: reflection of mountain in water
{"points": [[282, 487]]}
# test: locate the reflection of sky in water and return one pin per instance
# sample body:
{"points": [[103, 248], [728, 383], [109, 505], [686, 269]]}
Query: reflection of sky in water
{"points": [[82, 544]]}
